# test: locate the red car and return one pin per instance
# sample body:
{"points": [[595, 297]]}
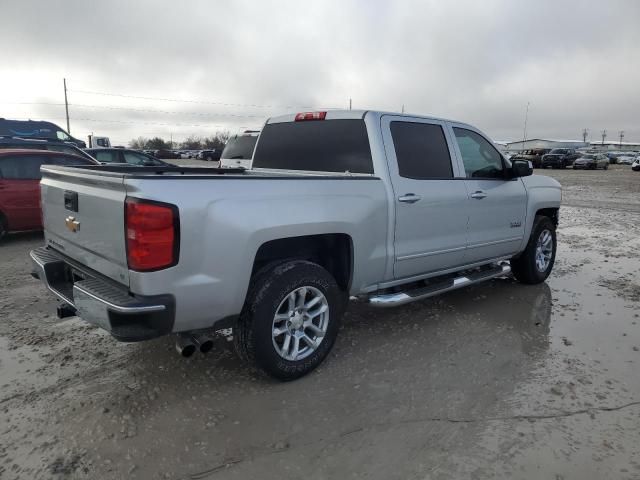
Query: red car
{"points": [[20, 186]]}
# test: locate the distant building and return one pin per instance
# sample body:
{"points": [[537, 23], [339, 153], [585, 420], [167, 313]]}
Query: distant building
{"points": [[612, 145], [543, 143]]}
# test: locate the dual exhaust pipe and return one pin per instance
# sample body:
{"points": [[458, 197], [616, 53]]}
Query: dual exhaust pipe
{"points": [[187, 344]]}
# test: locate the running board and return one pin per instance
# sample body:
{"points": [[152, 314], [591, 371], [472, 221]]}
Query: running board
{"points": [[400, 298]]}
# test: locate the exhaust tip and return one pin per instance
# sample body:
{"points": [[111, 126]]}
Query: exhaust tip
{"points": [[203, 342], [185, 346], [206, 346], [187, 350]]}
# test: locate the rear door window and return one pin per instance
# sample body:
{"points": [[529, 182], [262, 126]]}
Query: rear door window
{"points": [[421, 150], [107, 157], [320, 145]]}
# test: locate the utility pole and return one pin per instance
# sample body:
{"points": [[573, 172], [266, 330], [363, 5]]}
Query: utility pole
{"points": [[621, 137], [604, 135], [524, 134], [349, 103], [66, 104], [403, 108], [585, 132]]}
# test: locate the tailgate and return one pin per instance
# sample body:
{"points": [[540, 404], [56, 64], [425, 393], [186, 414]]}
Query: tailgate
{"points": [[83, 216]]}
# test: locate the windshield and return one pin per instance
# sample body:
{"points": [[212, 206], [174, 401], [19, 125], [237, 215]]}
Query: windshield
{"points": [[62, 136], [559, 151], [240, 147], [589, 157]]}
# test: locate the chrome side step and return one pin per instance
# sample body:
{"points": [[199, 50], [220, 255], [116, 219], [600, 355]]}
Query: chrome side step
{"points": [[395, 299]]}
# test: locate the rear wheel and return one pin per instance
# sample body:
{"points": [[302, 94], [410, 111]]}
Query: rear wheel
{"points": [[290, 319], [536, 262], [4, 229], [606, 167]]}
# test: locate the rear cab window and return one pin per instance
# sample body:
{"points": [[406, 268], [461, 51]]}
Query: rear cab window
{"points": [[339, 145]]}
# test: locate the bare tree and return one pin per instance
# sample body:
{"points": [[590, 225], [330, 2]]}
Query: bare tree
{"points": [[139, 143], [192, 142]]}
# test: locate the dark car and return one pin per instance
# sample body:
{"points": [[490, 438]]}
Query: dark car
{"points": [[559, 158], [168, 154], [534, 155], [210, 155], [37, 129], [124, 155], [39, 144], [591, 161], [20, 185]]}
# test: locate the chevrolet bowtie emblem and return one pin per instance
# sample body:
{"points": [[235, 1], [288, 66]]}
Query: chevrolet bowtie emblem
{"points": [[72, 224]]}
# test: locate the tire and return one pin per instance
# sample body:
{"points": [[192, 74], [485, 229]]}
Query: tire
{"points": [[606, 167], [208, 159], [4, 229], [525, 267], [268, 298]]}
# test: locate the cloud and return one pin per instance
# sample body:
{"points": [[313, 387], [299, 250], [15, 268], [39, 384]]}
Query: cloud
{"points": [[479, 62]]}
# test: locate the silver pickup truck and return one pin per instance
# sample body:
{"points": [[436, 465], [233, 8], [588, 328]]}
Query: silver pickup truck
{"points": [[385, 207]]}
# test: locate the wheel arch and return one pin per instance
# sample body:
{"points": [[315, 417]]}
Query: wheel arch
{"points": [[332, 251]]}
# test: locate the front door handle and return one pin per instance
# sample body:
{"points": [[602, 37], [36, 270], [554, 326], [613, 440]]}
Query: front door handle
{"points": [[479, 195], [409, 198]]}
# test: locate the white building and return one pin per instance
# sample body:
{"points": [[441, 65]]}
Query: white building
{"points": [[543, 143], [612, 145]]}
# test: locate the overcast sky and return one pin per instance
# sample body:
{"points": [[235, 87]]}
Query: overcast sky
{"points": [[234, 63]]}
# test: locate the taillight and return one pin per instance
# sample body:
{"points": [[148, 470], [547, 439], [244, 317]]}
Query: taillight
{"points": [[152, 231], [301, 117]]}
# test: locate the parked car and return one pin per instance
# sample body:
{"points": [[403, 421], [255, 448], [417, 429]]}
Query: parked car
{"points": [[35, 144], [19, 185], [239, 150], [124, 155], [613, 156], [635, 166], [559, 158], [533, 155], [189, 154], [37, 129], [166, 154], [627, 159], [592, 161], [338, 204], [210, 155]]}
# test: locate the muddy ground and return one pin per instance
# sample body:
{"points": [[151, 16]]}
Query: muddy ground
{"points": [[499, 380]]}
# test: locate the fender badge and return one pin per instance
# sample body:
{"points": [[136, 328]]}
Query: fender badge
{"points": [[72, 224]]}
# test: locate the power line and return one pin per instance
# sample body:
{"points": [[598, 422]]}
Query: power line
{"points": [[178, 100], [145, 123], [145, 110]]}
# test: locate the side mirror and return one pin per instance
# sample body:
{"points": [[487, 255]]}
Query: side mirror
{"points": [[521, 168]]}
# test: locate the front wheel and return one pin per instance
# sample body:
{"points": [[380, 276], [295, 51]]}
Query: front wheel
{"points": [[606, 167], [290, 319], [536, 262]]}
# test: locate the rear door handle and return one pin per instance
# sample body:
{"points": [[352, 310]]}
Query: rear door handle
{"points": [[479, 195], [409, 198]]}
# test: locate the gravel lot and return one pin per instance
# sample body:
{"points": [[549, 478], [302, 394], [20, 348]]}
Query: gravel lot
{"points": [[498, 380]]}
